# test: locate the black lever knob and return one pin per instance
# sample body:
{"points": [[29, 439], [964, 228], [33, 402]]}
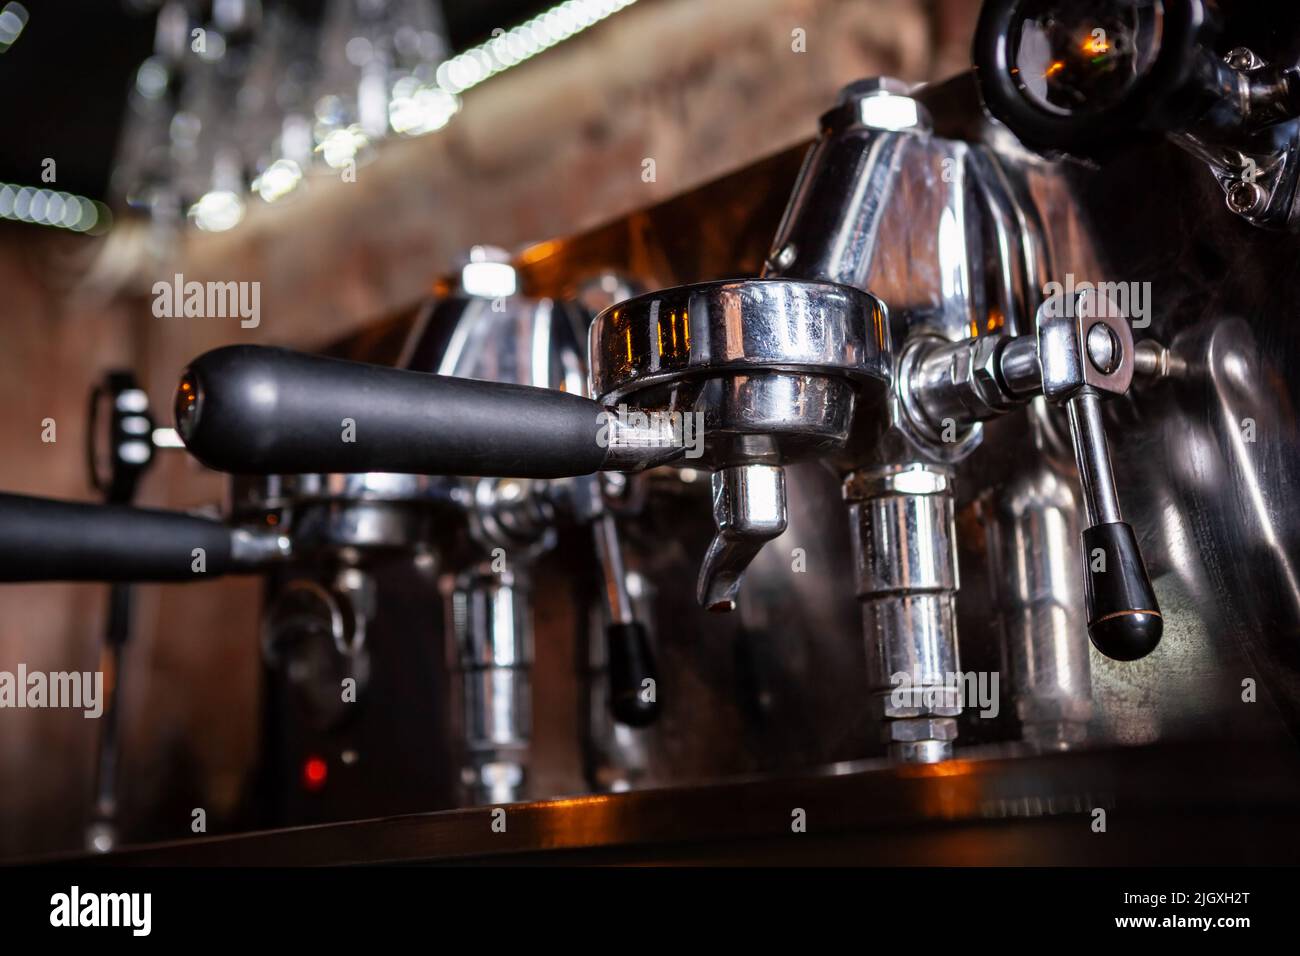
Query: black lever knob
{"points": [[630, 664], [1124, 619], [257, 410], [42, 539], [632, 700]]}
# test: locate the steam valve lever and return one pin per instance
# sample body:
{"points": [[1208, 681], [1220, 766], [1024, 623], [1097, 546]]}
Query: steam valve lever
{"points": [[1083, 351], [1084, 354], [631, 662], [1124, 619]]}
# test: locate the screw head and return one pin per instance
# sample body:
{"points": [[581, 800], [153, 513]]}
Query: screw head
{"points": [[1246, 199], [1103, 348], [784, 258], [1243, 58], [883, 103]]}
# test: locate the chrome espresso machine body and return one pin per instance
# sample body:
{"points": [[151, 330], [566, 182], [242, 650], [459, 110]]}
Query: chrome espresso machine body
{"points": [[939, 470], [411, 599]]}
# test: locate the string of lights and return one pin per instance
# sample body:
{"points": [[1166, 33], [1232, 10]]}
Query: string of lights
{"points": [[49, 207], [511, 47]]}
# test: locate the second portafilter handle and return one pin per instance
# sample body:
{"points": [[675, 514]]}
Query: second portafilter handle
{"points": [[259, 410]]}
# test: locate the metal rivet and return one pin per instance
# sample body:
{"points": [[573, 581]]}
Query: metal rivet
{"points": [[1243, 58], [1103, 348], [785, 258], [1246, 199]]}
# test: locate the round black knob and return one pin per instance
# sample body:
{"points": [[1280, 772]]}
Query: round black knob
{"points": [[633, 683], [1124, 619]]}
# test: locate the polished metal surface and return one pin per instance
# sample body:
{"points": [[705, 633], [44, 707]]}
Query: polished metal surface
{"points": [[769, 369], [497, 335], [330, 512], [904, 545], [637, 440], [1100, 500], [952, 384], [748, 510], [949, 384], [1065, 338], [1018, 366], [1032, 527], [609, 552], [1256, 169], [1208, 504], [257, 549], [958, 241], [832, 226], [490, 620], [724, 328], [937, 362]]}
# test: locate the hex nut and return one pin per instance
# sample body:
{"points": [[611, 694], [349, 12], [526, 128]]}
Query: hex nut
{"points": [[913, 729]]}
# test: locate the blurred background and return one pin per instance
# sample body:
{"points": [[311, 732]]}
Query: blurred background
{"points": [[343, 154]]}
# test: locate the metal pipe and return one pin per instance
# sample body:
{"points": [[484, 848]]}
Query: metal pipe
{"points": [[904, 545], [1100, 501]]}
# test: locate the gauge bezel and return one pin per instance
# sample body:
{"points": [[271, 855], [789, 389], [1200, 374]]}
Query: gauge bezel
{"points": [[1171, 71]]}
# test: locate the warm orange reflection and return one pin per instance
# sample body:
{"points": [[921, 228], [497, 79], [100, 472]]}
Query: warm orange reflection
{"points": [[881, 333], [542, 250], [594, 824], [565, 803], [958, 797], [671, 342], [948, 768]]}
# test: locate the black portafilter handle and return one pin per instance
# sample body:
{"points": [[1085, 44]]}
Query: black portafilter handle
{"points": [[631, 664], [259, 410], [42, 539], [1124, 620]]}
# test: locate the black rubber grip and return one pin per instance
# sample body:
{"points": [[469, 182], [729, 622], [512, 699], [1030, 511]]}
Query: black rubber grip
{"points": [[1124, 619], [46, 540], [256, 410], [631, 664]]}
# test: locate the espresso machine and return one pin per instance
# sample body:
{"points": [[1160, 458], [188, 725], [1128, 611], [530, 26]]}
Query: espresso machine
{"points": [[941, 478]]}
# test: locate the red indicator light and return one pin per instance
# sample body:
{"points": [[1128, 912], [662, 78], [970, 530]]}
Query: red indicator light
{"points": [[314, 772]]}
